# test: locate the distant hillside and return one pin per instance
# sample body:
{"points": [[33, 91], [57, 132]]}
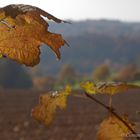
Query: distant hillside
{"points": [[106, 27], [92, 42]]}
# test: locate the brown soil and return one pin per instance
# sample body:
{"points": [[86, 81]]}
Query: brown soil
{"points": [[79, 122]]}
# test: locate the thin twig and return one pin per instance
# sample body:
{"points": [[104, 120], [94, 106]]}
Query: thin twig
{"points": [[111, 110]]}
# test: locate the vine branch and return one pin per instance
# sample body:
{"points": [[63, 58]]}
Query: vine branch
{"points": [[112, 111]]}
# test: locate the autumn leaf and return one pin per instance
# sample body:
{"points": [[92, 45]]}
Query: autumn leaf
{"points": [[107, 88], [113, 129], [14, 10], [22, 32], [45, 111], [89, 87]]}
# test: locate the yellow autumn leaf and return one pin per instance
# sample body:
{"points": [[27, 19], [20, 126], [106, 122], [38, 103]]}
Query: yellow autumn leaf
{"points": [[107, 88], [45, 111], [22, 34], [89, 87], [113, 129]]}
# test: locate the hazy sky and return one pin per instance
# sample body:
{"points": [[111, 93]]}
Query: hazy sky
{"points": [[128, 10]]}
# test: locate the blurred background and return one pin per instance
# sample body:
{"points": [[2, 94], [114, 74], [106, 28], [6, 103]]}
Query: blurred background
{"points": [[104, 40]]}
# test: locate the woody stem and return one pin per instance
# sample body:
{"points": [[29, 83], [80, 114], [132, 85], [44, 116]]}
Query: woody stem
{"points": [[111, 110]]}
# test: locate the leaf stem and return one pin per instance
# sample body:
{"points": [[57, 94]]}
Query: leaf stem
{"points": [[110, 101], [112, 111]]}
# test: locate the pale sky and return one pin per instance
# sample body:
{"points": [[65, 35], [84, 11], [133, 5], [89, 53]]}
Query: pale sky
{"points": [[126, 10]]}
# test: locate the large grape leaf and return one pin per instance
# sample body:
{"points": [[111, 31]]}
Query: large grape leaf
{"points": [[21, 37], [113, 129], [107, 88], [45, 111]]}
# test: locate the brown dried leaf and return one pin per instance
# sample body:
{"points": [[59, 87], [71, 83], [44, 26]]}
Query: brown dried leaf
{"points": [[22, 42], [14, 10], [113, 129], [45, 111]]}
